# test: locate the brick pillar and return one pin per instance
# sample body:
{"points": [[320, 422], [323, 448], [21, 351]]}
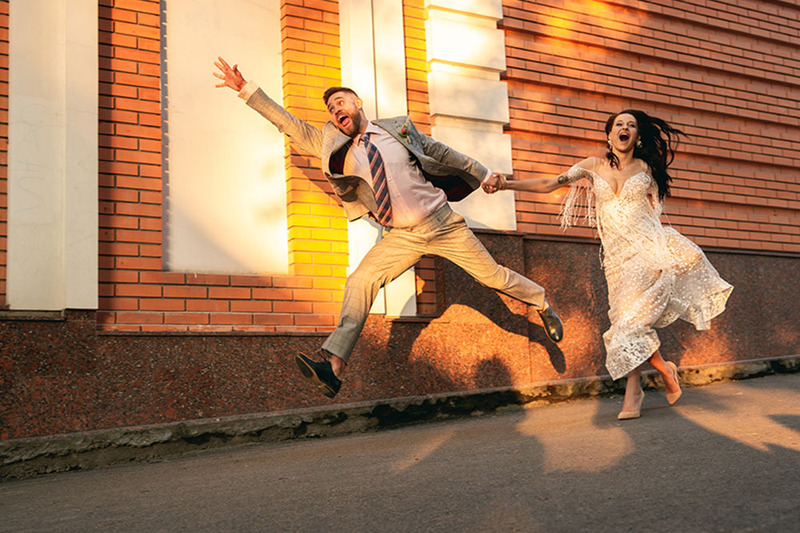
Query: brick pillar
{"points": [[130, 167]]}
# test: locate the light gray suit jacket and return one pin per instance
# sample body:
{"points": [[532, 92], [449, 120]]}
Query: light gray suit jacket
{"points": [[456, 174]]}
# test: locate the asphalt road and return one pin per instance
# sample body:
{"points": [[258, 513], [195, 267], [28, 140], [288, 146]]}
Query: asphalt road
{"points": [[725, 458]]}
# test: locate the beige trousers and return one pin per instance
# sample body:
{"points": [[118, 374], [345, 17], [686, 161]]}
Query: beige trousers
{"points": [[445, 234]]}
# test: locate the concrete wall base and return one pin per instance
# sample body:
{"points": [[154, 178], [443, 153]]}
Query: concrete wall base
{"points": [[29, 457]]}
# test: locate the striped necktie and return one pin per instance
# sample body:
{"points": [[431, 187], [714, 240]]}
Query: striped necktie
{"points": [[379, 185]]}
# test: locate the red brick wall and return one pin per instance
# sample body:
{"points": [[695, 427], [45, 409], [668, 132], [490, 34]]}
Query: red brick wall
{"points": [[136, 293], [725, 72], [724, 76], [3, 147], [318, 249], [428, 303]]}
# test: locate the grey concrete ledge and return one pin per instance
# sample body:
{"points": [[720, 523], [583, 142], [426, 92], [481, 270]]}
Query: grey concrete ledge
{"points": [[22, 458]]}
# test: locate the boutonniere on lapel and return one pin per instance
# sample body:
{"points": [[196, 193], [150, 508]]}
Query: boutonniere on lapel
{"points": [[404, 128]]}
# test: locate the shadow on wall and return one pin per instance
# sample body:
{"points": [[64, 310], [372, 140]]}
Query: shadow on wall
{"points": [[483, 339]]}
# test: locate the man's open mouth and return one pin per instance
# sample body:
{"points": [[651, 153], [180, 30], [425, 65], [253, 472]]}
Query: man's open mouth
{"points": [[343, 119]]}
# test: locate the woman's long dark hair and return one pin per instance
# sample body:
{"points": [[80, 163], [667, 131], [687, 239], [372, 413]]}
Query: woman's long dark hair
{"points": [[659, 141]]}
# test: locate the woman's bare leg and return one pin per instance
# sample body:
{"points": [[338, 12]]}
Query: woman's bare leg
{"points": [[633, 390], [660, 365]]}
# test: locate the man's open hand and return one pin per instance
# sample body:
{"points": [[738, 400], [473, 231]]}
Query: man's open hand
{"points": [[230, 76]]}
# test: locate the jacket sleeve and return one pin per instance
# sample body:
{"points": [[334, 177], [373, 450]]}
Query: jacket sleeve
{"points": [[447, 156], [307, 137]]}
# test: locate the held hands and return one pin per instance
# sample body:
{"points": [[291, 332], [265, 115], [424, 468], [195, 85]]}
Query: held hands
{"points": [[497, 182], [231, 77]]}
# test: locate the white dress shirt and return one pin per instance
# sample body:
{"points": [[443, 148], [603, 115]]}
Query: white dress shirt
{"points": [[413, 197]]}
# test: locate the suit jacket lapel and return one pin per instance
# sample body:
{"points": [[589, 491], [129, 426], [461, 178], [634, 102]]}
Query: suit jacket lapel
{"points": [[333, 149]]}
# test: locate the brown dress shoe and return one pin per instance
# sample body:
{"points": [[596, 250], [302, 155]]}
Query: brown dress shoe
{"points": [[320, 372]]}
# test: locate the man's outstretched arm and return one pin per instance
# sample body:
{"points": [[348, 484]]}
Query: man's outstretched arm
{"points": [[307, 137]]}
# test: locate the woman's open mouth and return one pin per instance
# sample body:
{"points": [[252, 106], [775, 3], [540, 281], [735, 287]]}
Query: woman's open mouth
{"points": [[624, 137]]}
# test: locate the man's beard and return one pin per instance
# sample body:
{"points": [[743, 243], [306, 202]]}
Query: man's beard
{"points": [[356, 122]]}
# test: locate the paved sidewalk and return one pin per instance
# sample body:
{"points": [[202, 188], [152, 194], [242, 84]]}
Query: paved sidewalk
{"points": [[725, 458]]}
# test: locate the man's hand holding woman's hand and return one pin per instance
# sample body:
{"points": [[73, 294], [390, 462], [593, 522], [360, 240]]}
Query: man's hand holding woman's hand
{"points": [[231, 77], [497, 182]]}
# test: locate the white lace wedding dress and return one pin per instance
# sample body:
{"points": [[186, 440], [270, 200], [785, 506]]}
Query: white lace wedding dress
{"points": [[655, 275]]}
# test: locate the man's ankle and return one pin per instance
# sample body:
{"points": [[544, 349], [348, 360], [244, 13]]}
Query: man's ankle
{"points": [[337, 363]]}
